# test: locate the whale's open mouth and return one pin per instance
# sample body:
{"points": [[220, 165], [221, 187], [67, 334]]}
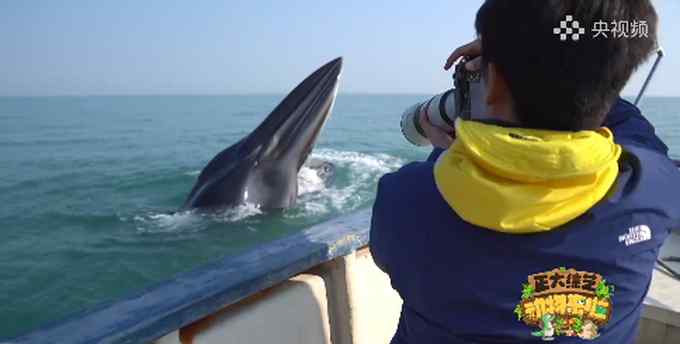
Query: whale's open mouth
{"points": [[262, 168], [294, 125]]}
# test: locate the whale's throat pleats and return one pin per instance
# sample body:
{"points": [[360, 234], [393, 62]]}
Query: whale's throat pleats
{"points": [[272, 185]]}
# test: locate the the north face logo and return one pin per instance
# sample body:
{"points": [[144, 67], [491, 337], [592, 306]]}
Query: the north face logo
{"points": [[636, 235]]}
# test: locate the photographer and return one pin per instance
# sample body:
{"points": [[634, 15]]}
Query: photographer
{"points": [[545, 219]]}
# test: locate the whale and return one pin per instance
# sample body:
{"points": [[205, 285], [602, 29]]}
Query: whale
{"points": [[262, 168]]}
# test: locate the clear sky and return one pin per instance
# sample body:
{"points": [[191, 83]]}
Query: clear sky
{"points": [[81, 47]]}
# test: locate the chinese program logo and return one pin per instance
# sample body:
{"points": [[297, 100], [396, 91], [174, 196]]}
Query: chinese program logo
{"points": [[569, 28], [566, 303]]}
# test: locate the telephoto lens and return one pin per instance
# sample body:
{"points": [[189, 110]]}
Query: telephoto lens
{"points": [[440, 109]]}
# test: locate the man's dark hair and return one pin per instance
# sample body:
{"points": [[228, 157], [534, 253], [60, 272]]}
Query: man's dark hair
{"points": [[564, 84]]}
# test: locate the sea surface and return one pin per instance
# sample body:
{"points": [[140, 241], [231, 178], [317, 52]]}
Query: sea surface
{"points": [[86, 185]]}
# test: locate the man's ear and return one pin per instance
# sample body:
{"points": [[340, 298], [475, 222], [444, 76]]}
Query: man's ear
{"points": [[497, 91]]}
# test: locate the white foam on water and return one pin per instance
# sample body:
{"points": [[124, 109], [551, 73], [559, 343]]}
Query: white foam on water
{"points": [[356, 176], [191, 221], [192, 173], [169, 223], [238, 213], [363, 171], [312, 207], [309, 181]]}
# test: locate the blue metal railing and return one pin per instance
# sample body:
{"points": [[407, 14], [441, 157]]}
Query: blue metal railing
{"points": [[190, 296]]}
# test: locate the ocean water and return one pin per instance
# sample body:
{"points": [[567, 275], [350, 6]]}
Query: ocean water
{"points": [[86, 184]]}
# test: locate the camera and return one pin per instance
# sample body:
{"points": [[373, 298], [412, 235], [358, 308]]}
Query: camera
{"points": [[466, 100]]}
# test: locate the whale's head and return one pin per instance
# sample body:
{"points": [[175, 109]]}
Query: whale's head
{"points": [[262, 168]]}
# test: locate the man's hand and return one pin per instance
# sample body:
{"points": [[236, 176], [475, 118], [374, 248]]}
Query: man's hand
{"points": [[437, 136], [472, 50]]}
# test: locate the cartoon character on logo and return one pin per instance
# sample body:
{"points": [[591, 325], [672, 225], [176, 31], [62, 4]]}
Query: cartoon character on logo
{"points": [[589, 331], [547, 329], [566, 303]]}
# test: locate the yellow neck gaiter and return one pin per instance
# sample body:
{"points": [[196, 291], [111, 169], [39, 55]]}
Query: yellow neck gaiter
{"points": [[523, 181]]}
